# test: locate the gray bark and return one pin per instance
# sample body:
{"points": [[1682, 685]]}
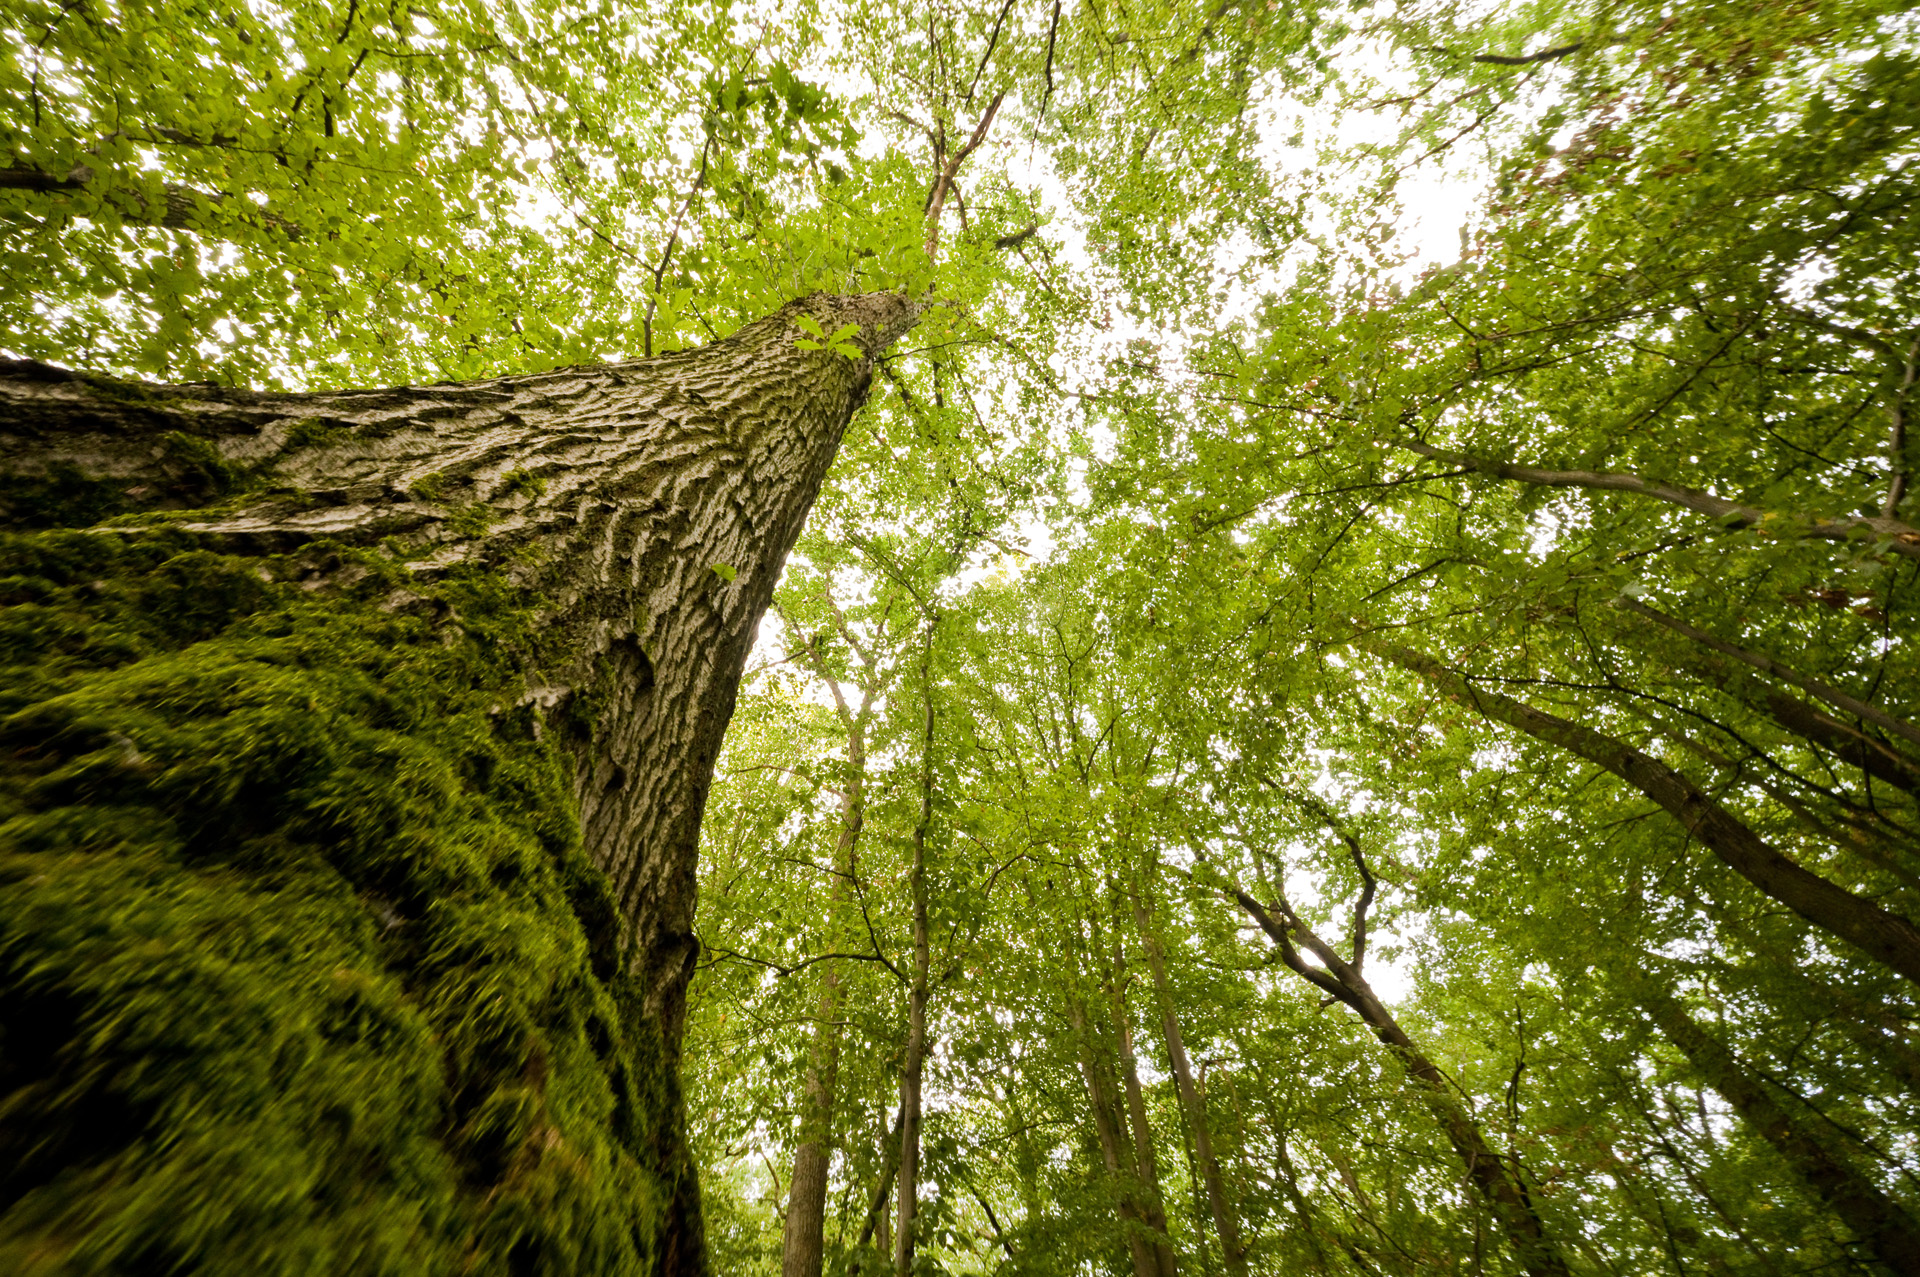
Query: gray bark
{"points": [[642, 509]]}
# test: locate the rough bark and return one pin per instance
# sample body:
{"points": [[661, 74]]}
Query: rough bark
{"points": [[608, 493], [638, 513], [1882, 1226], [1503, 1190], [1226, 1223], [1884, 936]]}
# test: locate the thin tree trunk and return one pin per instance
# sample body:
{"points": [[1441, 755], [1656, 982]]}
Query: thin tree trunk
{"points": [[1108, 1129], [803, 1245], [1884, 936], [1503, 1190], [908, 1201], [877, 1218], [638, 513], [1153, 1209], [1226, 1223], [1881, 1224]]}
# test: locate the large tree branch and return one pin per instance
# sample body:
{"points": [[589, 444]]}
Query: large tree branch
{"points": [[1767, 665], [1901, 538], [1885, 936], [180, 207], [943, 182]]}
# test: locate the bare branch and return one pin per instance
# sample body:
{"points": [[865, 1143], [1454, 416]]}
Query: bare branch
{"points": [[992, 40]]}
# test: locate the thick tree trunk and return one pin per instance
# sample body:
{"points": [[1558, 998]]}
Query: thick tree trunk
{"points": [[1226, 1223], [1884, 1228], [631, 518], [1884, 936]]}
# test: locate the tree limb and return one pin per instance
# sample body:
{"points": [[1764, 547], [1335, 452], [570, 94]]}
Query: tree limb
{"points": [[1901, 538], [181, 207]]}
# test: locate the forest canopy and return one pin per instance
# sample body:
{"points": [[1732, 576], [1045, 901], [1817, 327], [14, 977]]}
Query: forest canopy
{"points": [[1347, 704]]}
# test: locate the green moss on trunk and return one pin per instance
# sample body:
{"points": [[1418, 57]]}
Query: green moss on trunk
{"points": [[302, 969]]}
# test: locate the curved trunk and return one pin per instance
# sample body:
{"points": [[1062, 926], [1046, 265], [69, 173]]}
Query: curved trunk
{"points": [[587, 552]]}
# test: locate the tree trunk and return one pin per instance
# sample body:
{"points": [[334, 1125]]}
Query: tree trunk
{"points": [[357, 578], [1504, 1191], [908, 1197], [803, 1247], [1884, 936], [1108, 1129], [876, 1220], [1153, 1209], [1882, 1225], [1226, 1224]]}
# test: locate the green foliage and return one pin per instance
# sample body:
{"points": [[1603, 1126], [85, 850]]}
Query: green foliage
{"points": [[302, 965]]}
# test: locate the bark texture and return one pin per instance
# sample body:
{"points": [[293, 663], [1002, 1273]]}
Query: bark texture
{"points": [[648, 507], [629, 521]]}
